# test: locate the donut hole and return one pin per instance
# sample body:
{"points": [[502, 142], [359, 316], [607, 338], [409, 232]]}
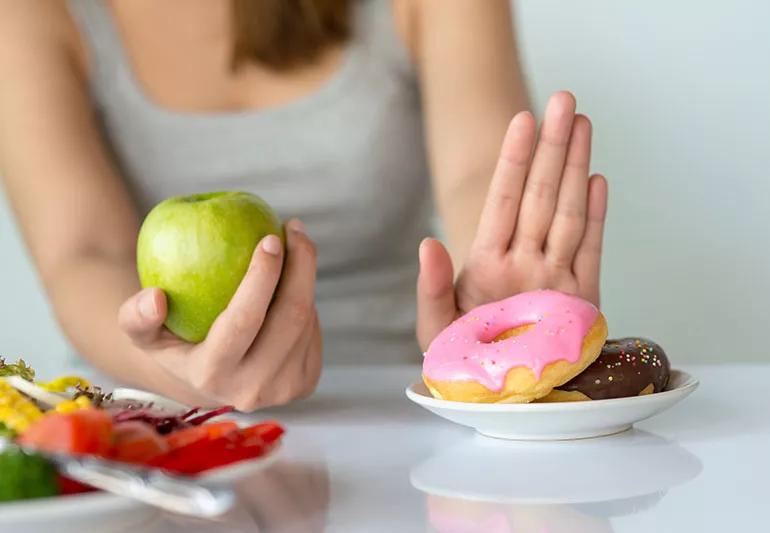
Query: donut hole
{"points": [[513, 332]]}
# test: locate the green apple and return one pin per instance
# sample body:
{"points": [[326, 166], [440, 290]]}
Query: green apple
{"points": [[197, 249]]}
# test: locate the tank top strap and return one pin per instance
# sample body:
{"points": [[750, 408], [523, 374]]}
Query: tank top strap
{"points": [[101, 38], [375, 29]]}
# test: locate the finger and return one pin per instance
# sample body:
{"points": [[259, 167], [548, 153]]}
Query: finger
{"points": [[436, 306], [236, 327], [569, 220], [278, 379], [141, 317], [498, 218], [588, 258], [313, 359], [293, 306], [541, 189], [290, 380]]}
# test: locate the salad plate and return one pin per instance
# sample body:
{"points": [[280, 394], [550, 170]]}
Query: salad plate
{"points": [[208, 445]]}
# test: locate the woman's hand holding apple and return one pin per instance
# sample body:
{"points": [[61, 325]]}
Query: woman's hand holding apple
{"points": [[261, 350]]}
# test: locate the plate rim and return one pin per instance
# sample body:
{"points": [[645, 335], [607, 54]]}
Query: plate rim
{"points": [[108, 502], [689, 384]]}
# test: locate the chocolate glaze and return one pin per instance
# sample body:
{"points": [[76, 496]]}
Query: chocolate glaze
{"points": [[624, 368]]}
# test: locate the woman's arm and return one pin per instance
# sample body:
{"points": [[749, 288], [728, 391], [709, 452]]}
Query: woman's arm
{"points": [[80, 226], [472, 85], [74, 213], [525, 216]]}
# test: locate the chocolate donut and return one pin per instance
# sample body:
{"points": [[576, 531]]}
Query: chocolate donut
{"points": [[626, 367]]}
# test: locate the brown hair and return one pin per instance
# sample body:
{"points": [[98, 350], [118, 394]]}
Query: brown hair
{"points": [[286, 33]]}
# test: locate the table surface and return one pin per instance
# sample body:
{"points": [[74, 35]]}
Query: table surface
{"points": [[359, 456]]}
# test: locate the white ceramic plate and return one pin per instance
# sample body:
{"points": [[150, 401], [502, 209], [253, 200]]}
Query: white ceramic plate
{"points": [[158, 401], [114, 513], [556, 421]]}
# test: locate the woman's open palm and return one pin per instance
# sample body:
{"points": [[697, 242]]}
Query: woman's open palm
{"points": [[541, 227]]}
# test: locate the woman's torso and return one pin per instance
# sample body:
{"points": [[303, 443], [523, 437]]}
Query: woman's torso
{"points": [[348, 159]]}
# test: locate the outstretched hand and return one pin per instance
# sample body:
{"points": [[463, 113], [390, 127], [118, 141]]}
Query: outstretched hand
{"points": [[541, 226]]}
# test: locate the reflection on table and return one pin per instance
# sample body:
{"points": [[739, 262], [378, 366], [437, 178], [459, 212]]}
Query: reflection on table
{"points": [[492, 486], [286, 497]]}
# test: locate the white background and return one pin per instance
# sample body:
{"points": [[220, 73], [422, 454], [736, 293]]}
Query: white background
{"points": [[679, 94]]}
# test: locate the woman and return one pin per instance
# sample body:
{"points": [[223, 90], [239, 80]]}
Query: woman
{"points": [[336, 112]]}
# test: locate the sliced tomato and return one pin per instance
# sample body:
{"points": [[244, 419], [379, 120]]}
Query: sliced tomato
{"points": [[187, 436], [268, 432], [206, 454], [87, 431], [137, 442]]}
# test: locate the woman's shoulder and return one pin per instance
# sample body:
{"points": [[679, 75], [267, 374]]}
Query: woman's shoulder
{"points": [[39, 30]]}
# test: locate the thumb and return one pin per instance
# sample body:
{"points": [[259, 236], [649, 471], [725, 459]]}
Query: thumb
{"points": [[141, 317], [436, 306]]}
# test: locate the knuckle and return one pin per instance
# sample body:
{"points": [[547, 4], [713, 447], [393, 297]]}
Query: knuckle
{"points": [[206, 379], [541, 189], [527, 247], [252, 397], [312, 382], [299, 310], [572, 212], [559, 260], [241, 323], [260, 268], [127, 315], [249, 400], [285, 395], [592, 248], [246, 404], [513, 159], [503, 199], [554, 141], [308, 248]]}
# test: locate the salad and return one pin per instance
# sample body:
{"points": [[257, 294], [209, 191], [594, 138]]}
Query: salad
{"points": [[70, 415]]}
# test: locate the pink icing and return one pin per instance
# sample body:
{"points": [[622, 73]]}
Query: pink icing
{"points": [[464, 351]]}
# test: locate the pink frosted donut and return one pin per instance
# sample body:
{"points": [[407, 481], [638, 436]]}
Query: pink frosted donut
{"points": [[515, 350]]}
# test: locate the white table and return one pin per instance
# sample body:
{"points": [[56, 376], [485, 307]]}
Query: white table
{"points": [[355, 450]]}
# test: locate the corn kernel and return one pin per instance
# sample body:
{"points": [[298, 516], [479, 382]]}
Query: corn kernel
{"points": [[66, 406], [83, 402], [16, 411]]}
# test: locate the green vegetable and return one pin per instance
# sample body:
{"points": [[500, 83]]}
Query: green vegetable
{"points": [[6, 432], [26, 475], [19, 368]]}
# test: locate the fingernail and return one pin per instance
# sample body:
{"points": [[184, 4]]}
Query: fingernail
{"points": [[271, 244], [421, 251], [297, 225], [421, 248], [147, 305], [521, 117]]}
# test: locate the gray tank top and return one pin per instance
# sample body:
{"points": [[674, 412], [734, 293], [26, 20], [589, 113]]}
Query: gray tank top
{"points": [[349, 160]]}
